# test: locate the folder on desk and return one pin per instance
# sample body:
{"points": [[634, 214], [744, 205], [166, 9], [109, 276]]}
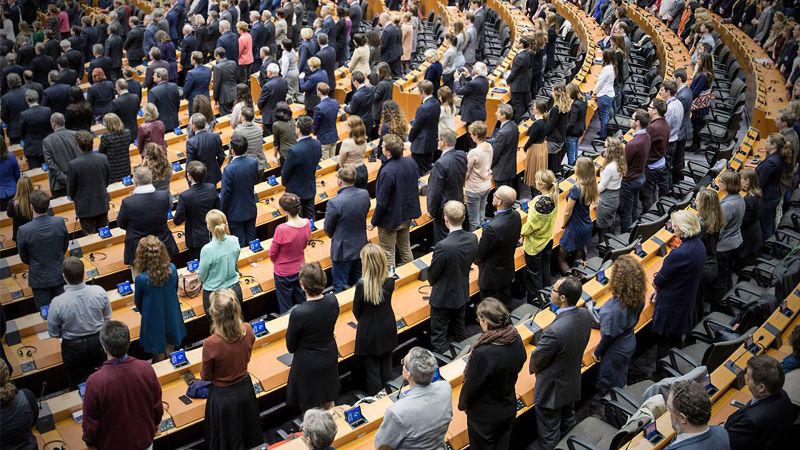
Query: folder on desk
{"points": [[286, 359]]}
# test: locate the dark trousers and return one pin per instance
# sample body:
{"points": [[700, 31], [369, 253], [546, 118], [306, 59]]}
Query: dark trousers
{"points": [[537, 271], [519, 102], [629, 194], [489, 436], [134, 62], [397, 70], [446, 322], [656, 184], [193, 252], [90, 225], [345, 274], [244, 230], [769, 207], [551, 424], [424, 162], [235, 287], [81, 357], [34, 162], [377, 371], [678, 161], [503, 294], [723, 282], [440, 229], [55, 193], [43, 296], [307, 208], [288, 291], [554, 161]]}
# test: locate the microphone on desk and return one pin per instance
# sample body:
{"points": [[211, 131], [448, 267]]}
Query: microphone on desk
{"points": [[41, 394]]}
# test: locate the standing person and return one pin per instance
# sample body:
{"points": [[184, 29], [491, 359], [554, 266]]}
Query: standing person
{"points": [[289, 70], [238, 198], [382, 93], [495, 257], [314, 374], [273, 92], [730, 237], [353, 149], [674, 118], [446, 182], [770, 171], [449, 277], [127, 386], [519, 79], [636, 153], [504, 148], [577, 222], [702, 93], [284, 134], [144, 213], [206, 147], [361, 101], [676, 284], [604, 91], [197, 80], [433, 72], [656, 174], [309, 82], [391, 43], [287, 253], [689, 409], [231, 415], [164, 95], [537, 233], [751, 225], [557, 127], [535, 147], [376, 335], [193, 205], [88, 177], [478, 180], [298, 173], [396, 202], [684, 95], [20, 412], [557, 362], [218, 260], [576, 122], [156, 298], [245, 56], [326, 113], [152, 130], [420, 418], [19, 209], [59, 149], [425, 128], [618, 319], [488, 394], [34, 128], [254, 135], [225, 76], [473, 91], [115, 145], [345, 224], [76, 317], [447, 116], [9, 176], [711, 222], [614, 169], [327, 58], [41, 244]]}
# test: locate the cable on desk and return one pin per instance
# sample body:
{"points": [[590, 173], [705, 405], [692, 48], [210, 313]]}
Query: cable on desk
{"points": [[31, 350], [64, 445], [248, 279], [22, 275], [313, 242], [94, 255], [425, 289]]}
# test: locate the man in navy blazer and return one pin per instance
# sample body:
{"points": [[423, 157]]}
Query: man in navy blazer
{"points": [[205, 146], [361, 101], [193, 204], [238, 198], [424, 132], [197, 80], [346, 225], [325, 114], [690, 410], [446, 181], [229, 41], [328, 24], [274, 92], [189, 45], [166, 98], [12, 104], [473, 93], [259, 34], [299, 171], [56, 97], [391, 44], [34, 127], [327, 58]]}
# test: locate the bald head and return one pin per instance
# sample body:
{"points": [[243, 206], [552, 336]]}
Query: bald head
{"points": [[506, 195]]}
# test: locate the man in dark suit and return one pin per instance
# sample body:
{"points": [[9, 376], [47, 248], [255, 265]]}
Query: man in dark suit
{"points": [[11, 67], [238, 199], [144, 213], [226, 76], [56, 97], [327, 58], [480, 26], [269, 32], [473, 92], [259, 34], [88, 176], [205, 146], [134, 42], [504, 147], [361, 101], [328, 25], [519, 80], [685, 96], [446, 181], [155, 63], [34, 127], [325, 114], [126, 106], [556, 362], [298, 173], [308, 84], [12, 104], [66, 74], [75, 57], [197, 80], [166, 98], [193, 204], [41, 65], [134, 87], [425, 128], [690, 410], [100, 61], [113, 50], [392, 44], [41, 244], [273, 92], [449, 276], [229, 41], [346, 225], [495, 256], [765, 422], [356, 14], [27, 77], [189, 45]]}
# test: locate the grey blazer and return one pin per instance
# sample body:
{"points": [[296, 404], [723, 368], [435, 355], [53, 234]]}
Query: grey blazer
{"points": [[59, 149]]}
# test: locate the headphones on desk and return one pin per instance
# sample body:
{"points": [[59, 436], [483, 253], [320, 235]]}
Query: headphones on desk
{"points": [[63, 445], [313, 242], [23, 275], [249, 279], [94, 255], [26, 350]]}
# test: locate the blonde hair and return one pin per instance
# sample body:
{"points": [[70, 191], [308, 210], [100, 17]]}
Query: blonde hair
{"points": [[615, 153], [373, 260], [217, 224], [113, 123], [584, 172], [710, 211], [561, 100], [226, 315], [548, 179], [313, 63], [688, 223], [358, 132], [150, 112], [156, 161], [752, 178], [306, 33], [22, 199]]}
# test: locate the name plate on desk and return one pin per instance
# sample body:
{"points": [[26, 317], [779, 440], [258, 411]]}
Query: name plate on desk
{"points": [[272, 181], [104, 232], [400, 325], [28, 366], [276, 213], [187, 314], [260, 328], [520, 404], [323, 195], [286, 359], [166, 425], [255, 246], [124, 288], [178, 359], [177, 167], [193, 265], [256, 289], [91, 273], [127, 180], [258, 387]]}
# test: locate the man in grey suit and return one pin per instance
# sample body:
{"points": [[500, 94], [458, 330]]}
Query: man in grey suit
{"points": [[225, 76], [87, 184], [59, 149], [42, 243], [504, 146], [346, 225], [690, 410], [557, 362]]}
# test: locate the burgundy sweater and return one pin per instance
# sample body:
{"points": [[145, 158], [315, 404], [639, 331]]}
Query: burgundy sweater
{"points": [[659, 138], [122, 406]]}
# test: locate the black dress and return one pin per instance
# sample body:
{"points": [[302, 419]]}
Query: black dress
{"points": [[314, 375], [376, 334], [751, 232], [116, 146]]}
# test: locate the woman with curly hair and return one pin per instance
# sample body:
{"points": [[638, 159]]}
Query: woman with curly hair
{"points": [[156, 298], [618, 318], [155, 158], [392, 122]]}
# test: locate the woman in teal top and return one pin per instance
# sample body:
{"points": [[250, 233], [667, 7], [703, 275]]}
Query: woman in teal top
{"points": [[218, 259], [156, 298]]}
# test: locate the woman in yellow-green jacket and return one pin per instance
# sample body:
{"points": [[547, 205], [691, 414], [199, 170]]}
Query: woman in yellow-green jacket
{"points": [[537, 233]]}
